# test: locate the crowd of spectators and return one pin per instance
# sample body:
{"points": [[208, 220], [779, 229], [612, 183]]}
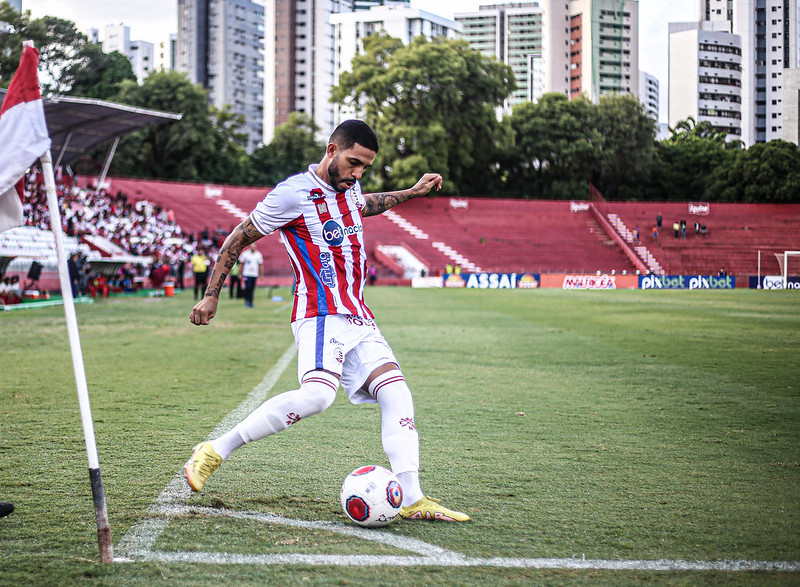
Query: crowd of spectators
{"points": [[139, 228]]}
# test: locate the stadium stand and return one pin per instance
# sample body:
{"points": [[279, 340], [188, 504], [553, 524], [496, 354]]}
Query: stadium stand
{"points": [[491, 234], [499, 235], [197, 207], [734, 235], [137, 221]]}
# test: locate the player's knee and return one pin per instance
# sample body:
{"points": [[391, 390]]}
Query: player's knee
{"points": [[319, 390]]}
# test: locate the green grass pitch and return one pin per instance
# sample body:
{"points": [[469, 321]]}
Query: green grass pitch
{"points": [[617, 426]]}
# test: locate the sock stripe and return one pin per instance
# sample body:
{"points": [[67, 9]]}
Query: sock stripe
{"points": [[377, 386], [333, 385]]}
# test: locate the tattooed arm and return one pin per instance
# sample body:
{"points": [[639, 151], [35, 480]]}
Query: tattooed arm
{"points": [[380, 202], [242, 236]]}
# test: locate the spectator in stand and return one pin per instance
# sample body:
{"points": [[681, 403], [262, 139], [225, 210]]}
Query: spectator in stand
{"points": [[98, 285], [655, 233], [636, 235], [74, 272], [10, 291], [373, 274], [180, 269], [697, 228], [200, 263], [722, 272], [676, 227], [83, 274], [158, 273], [683, 229], [251, 261], [236, 281], [659, 221], [219, 236]]}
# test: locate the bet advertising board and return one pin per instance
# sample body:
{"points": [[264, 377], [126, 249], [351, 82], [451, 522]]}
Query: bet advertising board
{"points": [[686, 282]]}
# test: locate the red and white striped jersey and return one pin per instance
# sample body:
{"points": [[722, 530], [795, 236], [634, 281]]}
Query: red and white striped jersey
{"points": [[323, 234]]}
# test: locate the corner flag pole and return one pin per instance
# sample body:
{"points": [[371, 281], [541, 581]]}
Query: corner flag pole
{"points": [[98, 495]]}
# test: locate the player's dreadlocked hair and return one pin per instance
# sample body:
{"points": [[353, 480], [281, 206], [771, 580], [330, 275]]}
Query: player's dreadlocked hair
{"points": [[354, 131]]}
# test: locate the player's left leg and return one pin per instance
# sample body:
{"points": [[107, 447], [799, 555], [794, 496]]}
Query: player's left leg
{"points": [[388, 387]]}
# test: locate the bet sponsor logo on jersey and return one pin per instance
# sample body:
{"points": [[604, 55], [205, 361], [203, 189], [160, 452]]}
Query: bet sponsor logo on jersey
{"points": [[333, 233]]}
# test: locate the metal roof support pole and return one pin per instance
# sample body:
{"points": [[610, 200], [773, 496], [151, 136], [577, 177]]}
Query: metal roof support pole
{"points": [[63, 150], [107, 164]]}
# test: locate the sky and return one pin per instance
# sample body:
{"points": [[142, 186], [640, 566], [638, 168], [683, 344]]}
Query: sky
{"points": [[154, 20]]}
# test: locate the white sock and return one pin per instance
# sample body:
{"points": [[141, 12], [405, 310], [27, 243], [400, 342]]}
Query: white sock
{"points": [[227, 443], [316, 393], [412, 492], [398, 432]]}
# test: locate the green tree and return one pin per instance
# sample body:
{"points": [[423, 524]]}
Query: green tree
{"points": [[184, 149], [433, 105], [555, 148], [97, 74], [230, 162], [627, 150], [765, 172], [685, 163], [292, 149], [59, 43]]}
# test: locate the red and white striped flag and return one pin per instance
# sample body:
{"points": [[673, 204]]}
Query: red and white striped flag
{"points": [[23, 135]]}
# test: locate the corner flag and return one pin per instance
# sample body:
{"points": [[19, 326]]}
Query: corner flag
{"points": [[23, 139], [23, 135]]}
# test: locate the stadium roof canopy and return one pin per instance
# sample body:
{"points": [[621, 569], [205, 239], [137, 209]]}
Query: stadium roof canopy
{"points": [[79, 125]]}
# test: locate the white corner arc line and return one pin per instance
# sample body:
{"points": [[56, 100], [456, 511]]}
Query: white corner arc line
{"points": [[139, 540], [137, 544]]}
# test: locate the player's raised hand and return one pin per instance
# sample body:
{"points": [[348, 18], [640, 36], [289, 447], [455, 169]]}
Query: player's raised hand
{"points": [[426, 183], [204, 311]]}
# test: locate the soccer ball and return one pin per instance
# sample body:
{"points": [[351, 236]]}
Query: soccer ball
{"points": [[371, 496]]}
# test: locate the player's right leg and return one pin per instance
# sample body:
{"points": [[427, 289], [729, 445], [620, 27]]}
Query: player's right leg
{"points": [[316, 393]]}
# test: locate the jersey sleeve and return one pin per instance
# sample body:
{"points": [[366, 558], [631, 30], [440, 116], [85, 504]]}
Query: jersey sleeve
{"points": [[278, 208]]}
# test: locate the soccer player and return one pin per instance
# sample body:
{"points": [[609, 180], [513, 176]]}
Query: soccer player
{"points": [[318, 214]]}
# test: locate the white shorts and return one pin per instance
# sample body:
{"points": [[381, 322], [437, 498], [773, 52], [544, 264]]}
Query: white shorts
{"points": [[349, 346]]}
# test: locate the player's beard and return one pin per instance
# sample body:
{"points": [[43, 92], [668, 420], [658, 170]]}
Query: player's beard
{"points": [[335, 178]]}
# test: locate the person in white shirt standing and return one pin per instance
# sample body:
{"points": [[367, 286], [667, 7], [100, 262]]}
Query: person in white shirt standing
{"points": [[250, 261]]}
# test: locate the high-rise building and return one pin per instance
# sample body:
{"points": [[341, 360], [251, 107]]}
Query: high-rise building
{"points": [[299, 62], [575, 47], [165, 53], [220, 45], [139, 53], [367, 4], [705, 76], [649, 94], [604, 56], [769, 40], [531, 37]]}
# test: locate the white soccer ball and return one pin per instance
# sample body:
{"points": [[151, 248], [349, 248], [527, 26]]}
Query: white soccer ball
{"points": [[371, 496]]}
